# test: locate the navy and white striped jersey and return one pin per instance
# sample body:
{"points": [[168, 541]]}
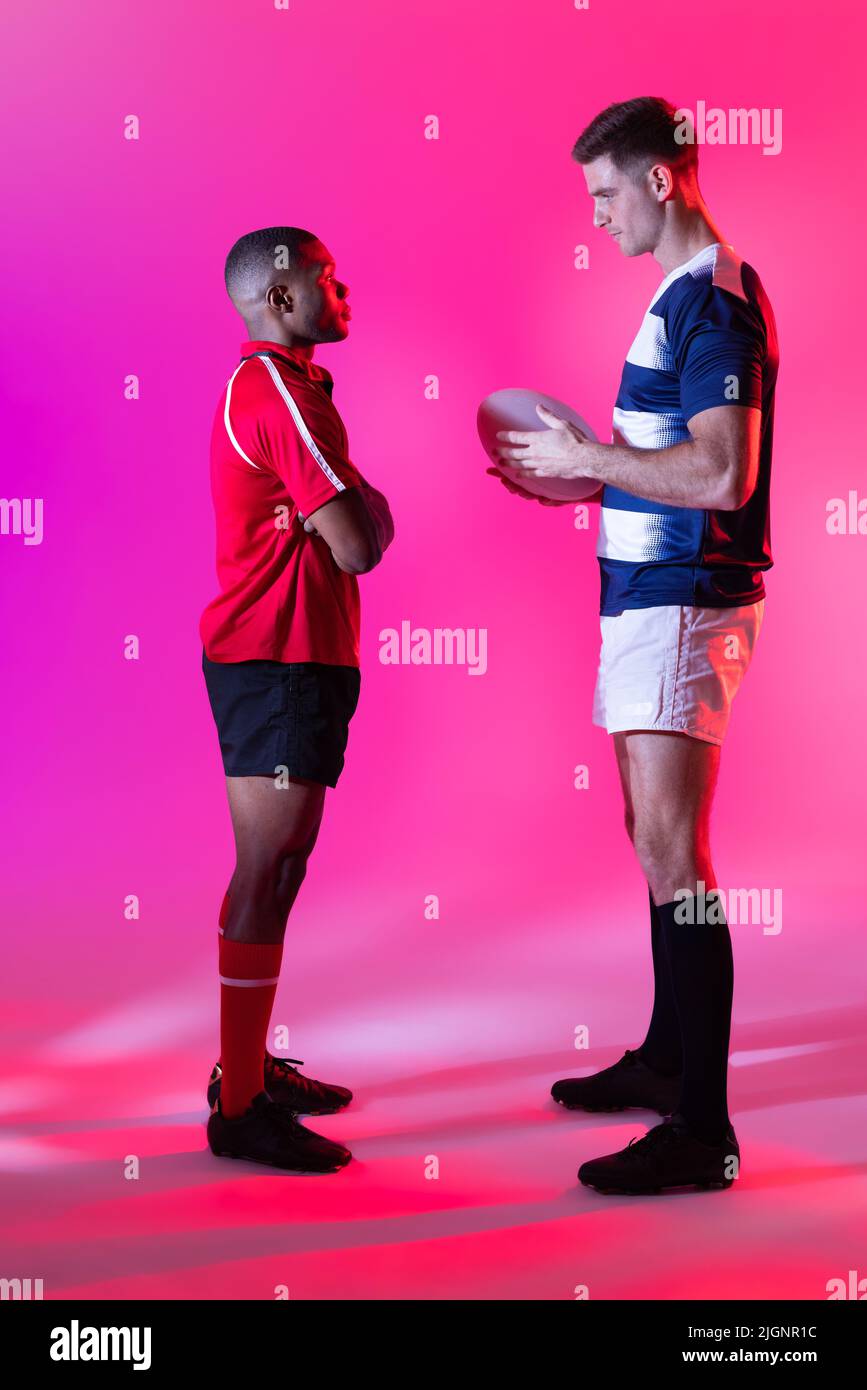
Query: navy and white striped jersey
{"points": [[708, 339]]}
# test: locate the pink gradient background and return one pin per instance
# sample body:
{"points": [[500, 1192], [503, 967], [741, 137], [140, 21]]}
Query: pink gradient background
{"points": [[458, 254]]}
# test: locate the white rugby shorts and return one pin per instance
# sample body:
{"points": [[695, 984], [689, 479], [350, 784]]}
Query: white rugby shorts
{"points": [[674, 668]]}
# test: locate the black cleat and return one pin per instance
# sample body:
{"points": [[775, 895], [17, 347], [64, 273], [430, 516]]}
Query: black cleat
{"points": [[288, 1087], [269, 1133], [628, 1083], [667, 1156]]}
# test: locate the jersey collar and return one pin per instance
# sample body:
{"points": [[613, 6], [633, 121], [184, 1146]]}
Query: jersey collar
{"points": [[292, 356]]}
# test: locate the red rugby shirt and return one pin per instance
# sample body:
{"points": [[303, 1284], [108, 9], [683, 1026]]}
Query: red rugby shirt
{"points": [[278, 446]]}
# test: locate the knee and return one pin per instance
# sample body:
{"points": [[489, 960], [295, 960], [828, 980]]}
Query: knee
{"points": [[257, 874], [291, 873], [658, 845], [670, 860], [263, 890], [266, 876]]}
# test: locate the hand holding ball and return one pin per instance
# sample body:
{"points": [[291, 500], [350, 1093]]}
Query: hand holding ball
{"points": [[514, 409]]}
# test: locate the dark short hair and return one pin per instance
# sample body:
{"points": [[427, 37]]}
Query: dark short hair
{"points": [[255, 253], [635, 134]]}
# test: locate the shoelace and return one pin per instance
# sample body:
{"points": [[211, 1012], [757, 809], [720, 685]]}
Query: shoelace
{"points": [[641, 1146], [283, 1121], [285, 1068]]}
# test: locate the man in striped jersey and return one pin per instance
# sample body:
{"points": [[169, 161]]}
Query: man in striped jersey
{"points": [[296, 525], [684, 538]]}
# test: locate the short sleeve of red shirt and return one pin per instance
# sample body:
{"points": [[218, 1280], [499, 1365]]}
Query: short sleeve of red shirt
{"points": [[302, 439]]}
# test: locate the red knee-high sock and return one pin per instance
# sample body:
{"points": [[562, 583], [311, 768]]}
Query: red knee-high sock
{"points": [[248, 983]]}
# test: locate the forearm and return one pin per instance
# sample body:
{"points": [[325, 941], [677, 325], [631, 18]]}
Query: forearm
{"points": [[355, 525], [683, 475], [380, 515]]}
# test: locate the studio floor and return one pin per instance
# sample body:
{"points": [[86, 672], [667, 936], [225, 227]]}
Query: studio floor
{"points": [[504, 1219]]}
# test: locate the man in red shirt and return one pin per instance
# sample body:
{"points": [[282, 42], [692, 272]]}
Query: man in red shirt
{"points": [[296, 523]]}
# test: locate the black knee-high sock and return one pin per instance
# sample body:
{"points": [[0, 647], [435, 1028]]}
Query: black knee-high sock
{"points": [[662, 1048], [702, 976]]}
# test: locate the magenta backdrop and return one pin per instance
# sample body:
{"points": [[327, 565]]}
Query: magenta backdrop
{"points": [[459, 256]]}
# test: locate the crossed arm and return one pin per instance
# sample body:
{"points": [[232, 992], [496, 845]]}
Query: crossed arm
{"points": [[356, 525]]}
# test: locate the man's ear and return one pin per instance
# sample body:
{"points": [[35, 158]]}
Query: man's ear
{"points": [[661, 182], [279, 298]]}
